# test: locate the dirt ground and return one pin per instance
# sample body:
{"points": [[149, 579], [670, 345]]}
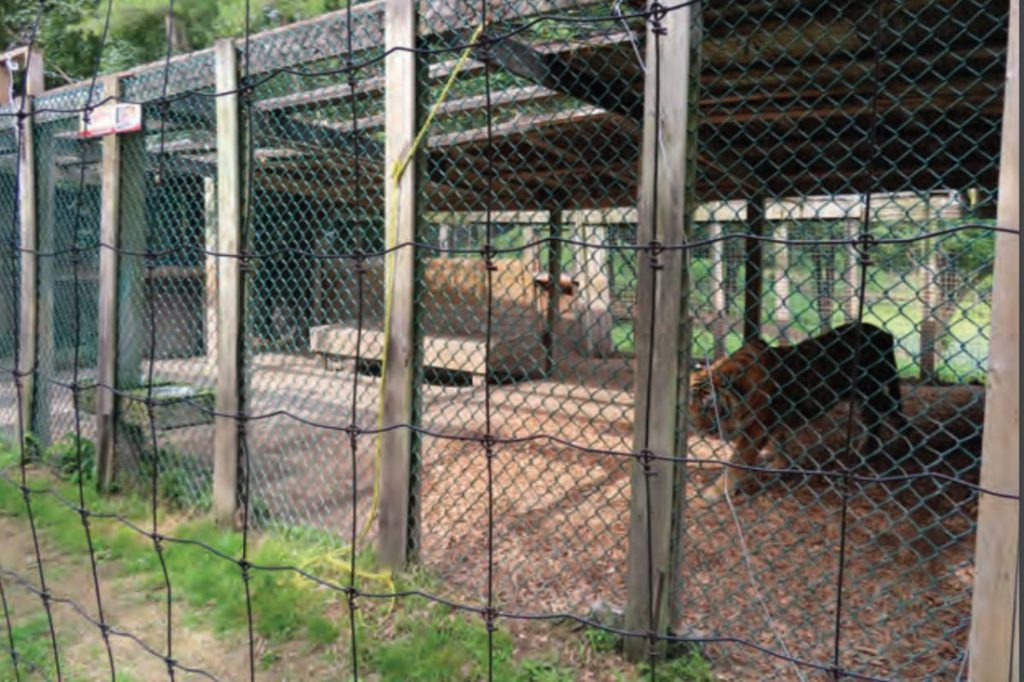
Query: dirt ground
{"points": [[129, 608], [769, 574]]}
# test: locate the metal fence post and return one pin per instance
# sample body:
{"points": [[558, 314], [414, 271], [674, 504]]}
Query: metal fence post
{"points": [[229, 283], [399, 372], [994, 654], [662, 294], [106, 350]]}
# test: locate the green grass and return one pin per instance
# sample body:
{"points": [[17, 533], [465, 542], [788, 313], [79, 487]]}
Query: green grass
{"points": [[418, 641], [32, 642]]}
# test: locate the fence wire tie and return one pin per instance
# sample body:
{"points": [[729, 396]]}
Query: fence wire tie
{"points": [[488, 252], [359, 263], [246, 263], [646, 458], [657, 14], [654, 251], [490, 615], [245, 567], [351, 592], [488, 442], [862, 245]]}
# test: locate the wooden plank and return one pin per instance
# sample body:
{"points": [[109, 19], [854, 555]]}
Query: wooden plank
{"points": [[574, 78], [592, 302], [106, 346], [719, 302], [753, 271], [400, 206], [28, 300], [554, 271], [663, 295], [995, 619], [851, 274], [783, 316], [229, 284]]}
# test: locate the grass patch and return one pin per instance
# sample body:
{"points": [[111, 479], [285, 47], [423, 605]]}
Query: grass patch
{"points": [[411, 640]]}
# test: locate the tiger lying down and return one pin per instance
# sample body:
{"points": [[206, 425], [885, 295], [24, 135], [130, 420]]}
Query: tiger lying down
{"points": [[757, 395]]}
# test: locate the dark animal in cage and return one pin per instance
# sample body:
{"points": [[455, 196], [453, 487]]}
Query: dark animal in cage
{"points": [[757, 395]]}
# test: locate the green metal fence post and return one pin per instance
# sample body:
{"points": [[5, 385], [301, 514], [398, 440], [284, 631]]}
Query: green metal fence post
{"points": [[650, 571], [399, 372]]}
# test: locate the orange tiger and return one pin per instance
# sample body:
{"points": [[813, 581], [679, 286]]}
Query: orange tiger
{"points": [[757, 394]]}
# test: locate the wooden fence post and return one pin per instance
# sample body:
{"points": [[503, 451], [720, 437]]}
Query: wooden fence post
{"points": [[106, 351], [28, 300], [781, 283], [592, 301], [400, 219], [229, 283], [553, 312], [719, 298], [753, 270], [650, 578], [994, 653], [851, 272]]}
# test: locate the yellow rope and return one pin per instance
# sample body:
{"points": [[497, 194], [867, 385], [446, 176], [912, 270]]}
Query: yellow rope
{"points": [[336, 558]]}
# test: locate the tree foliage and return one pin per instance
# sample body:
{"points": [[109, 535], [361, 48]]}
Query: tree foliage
{"points": [[70, 31]]}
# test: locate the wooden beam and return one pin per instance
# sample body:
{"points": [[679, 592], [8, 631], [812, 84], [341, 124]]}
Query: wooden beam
{"points": [[106, 347], [570, 78], [374, 85], [753, 270], [400, 344], [995, 619], [229, 284], [660, 328]]}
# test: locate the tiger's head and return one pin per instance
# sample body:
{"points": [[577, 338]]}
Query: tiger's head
{"points": [[726, 395]]}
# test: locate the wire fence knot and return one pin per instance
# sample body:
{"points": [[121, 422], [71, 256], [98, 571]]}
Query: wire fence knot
{"points": [[488, 252], [657, 14], [490, 615], [646, 458], [862, 245], [654, 251]]}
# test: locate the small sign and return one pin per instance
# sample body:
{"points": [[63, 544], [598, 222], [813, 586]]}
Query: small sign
{"points": [[110, 119]]}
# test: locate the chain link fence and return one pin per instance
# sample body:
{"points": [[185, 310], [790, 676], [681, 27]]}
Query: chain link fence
{"points": [[533, 165]]}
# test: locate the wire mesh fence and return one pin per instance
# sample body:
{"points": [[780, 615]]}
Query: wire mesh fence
{"points": [[838, 249]]}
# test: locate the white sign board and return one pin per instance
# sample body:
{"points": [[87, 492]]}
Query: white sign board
{"points": [[111, 119]]}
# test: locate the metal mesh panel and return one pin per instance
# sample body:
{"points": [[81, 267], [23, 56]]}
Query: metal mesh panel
{"points": [[311, 210], [67, 219], [829, 140], [795, 142], [8, 270], [562, 170], [167, 195]]}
